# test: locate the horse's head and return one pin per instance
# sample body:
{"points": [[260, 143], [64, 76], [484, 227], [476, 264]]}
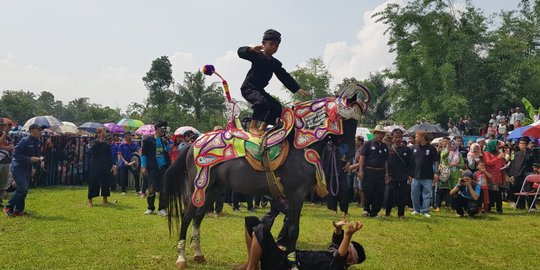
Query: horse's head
{"points": [[352, 101]]}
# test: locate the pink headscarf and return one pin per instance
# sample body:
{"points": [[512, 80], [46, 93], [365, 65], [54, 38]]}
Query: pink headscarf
{"points": [[471, 150]]}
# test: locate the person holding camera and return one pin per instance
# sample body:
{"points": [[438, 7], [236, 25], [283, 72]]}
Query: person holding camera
{"points": [[466, 194], [26, 153], [154, 162]]}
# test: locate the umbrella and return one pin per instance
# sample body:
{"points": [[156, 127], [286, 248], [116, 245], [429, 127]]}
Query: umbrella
{"points": [[518, 133], [114, 128], [91, 126], [46, 121], [433, 130], [392, 127], [181, 130], [533, 131], [65, 128], [8, 121], [130, 123], [146, 130]]}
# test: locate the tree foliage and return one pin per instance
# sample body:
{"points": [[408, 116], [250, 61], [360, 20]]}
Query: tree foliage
{"points": [[313, 77]]}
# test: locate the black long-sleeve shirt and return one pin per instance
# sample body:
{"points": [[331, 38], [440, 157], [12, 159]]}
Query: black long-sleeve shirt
{"points": [[323, 260], [100, 157], [400, 163], [262, 69]]}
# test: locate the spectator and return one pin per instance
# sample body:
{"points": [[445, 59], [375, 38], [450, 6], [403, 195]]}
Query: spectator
{"points": [[357, 183], [125, 153], [453, 130], [373, 171], [101, 167], [452, 163], [461, 126], [492, 130], [154, 162], [470, 125], [263, 250], [511, 118], [474, 157], [536, 116], [461, 146], [500, 116], [517, 124], [401, 169], [26, 153], [502, 130], [495, 161], [465, 195], [517, 116], [115, 142], [521, 166], [425, 157], [482, 177], [175, 144], [6, 150], [188, 139], [493, 120]]}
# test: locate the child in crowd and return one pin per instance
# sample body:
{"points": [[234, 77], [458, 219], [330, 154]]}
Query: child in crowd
{"points": [[482, 178]]}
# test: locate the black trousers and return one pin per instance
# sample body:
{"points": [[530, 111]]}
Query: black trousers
{"points": [[155, 184], [277, 207], [495, 197], [342, 188], [443, 194], [265, 107], [237, 197], [373, 185], [124, 176], [217, 206], [99, 181], [462, 204], [396, 194]]}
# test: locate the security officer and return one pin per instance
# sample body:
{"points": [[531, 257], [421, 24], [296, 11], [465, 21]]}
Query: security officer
{"points": [[26, 152], [373, 171]]}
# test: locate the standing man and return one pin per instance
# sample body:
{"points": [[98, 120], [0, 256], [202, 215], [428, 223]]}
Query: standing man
{"points": [[26, 152], [425, 157], [373, 172], [154, 162], [400, 166], [520, 167], [353, 169], [6, 151], [125, 152]]}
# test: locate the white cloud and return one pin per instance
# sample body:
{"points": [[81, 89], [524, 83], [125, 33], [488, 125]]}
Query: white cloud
{"points": [[368, 54]]}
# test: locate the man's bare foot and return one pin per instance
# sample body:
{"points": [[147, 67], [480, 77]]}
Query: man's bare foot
{"points": [[255, 132], [89, 204], [240, 267]]}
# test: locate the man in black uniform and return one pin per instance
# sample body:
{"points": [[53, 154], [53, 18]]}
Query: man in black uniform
{"points": [[263, 250], [373, 171], [400, 166], [265, 108]]}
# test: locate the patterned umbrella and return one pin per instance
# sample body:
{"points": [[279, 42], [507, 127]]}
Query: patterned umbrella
{"points": [[146, 130], [392, 127], [181, 130], [114, 128], [66, 128], [45, 121], [534, 132], [91, 126], [519, 132], [130, 123]]}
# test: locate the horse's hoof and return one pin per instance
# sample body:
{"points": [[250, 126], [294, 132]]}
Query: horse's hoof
{"points": [[181, 264], [199, 258]]}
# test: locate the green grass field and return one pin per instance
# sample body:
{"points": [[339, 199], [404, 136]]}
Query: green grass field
{"points": [[63, 233]]}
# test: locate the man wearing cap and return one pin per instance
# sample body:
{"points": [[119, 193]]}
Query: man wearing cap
{"points": [[125, 152], [425, 157], [263, 65], [6, 151], [26, 152], [154, 162], [466, 194], [520, 167], [373, 171]]}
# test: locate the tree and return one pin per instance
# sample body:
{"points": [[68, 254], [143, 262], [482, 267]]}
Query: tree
{"points": [[18, 105], [158, 81], [197, 98], [314, 77]]}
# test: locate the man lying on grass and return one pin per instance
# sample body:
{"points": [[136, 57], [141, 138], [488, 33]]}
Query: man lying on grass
{"points": [[262, 249]]}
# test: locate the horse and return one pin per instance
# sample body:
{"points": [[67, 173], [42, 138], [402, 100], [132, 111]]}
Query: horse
{"points": [[296, 173]]}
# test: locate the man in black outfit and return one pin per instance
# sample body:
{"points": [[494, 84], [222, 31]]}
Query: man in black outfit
{"points": [[265, 108], [401, 168], [520, 167], [263, 250], [373, 171]]}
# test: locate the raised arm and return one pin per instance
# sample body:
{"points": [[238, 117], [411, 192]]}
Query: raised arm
{"points": [[287, 79]]}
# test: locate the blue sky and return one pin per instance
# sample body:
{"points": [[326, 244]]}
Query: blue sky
{"points": [[101, 49]]}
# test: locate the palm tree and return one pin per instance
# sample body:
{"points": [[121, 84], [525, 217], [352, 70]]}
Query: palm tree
{"points": [[196, 97]]}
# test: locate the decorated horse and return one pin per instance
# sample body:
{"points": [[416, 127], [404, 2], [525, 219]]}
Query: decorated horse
{"points": [[283, 163]]}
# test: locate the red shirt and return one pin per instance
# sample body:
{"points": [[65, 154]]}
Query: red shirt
{"points": [[493, 166]]}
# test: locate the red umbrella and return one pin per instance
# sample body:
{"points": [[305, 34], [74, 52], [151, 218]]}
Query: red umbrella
{"points": [[533, 132]]}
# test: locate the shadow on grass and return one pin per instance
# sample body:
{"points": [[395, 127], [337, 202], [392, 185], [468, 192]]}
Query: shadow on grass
{"points": [[115, 206], [50, 218]]}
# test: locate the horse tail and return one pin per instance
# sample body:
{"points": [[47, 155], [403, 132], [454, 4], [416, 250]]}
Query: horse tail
{"points": [[175, 188]]}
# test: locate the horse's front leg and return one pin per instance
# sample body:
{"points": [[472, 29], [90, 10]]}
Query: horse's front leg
{"points": [[196, 243]]}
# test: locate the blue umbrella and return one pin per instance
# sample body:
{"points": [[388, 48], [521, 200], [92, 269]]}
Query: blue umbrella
{"points": [[518, 133], [44, 121], [91, 126]]}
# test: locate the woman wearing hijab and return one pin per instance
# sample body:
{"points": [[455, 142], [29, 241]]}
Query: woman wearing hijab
{"points": [[452, 162], [495, 161], [474, 157]]}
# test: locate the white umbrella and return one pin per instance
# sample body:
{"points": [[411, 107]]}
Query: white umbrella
{"points": [[65, 128], [44, 121]]}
